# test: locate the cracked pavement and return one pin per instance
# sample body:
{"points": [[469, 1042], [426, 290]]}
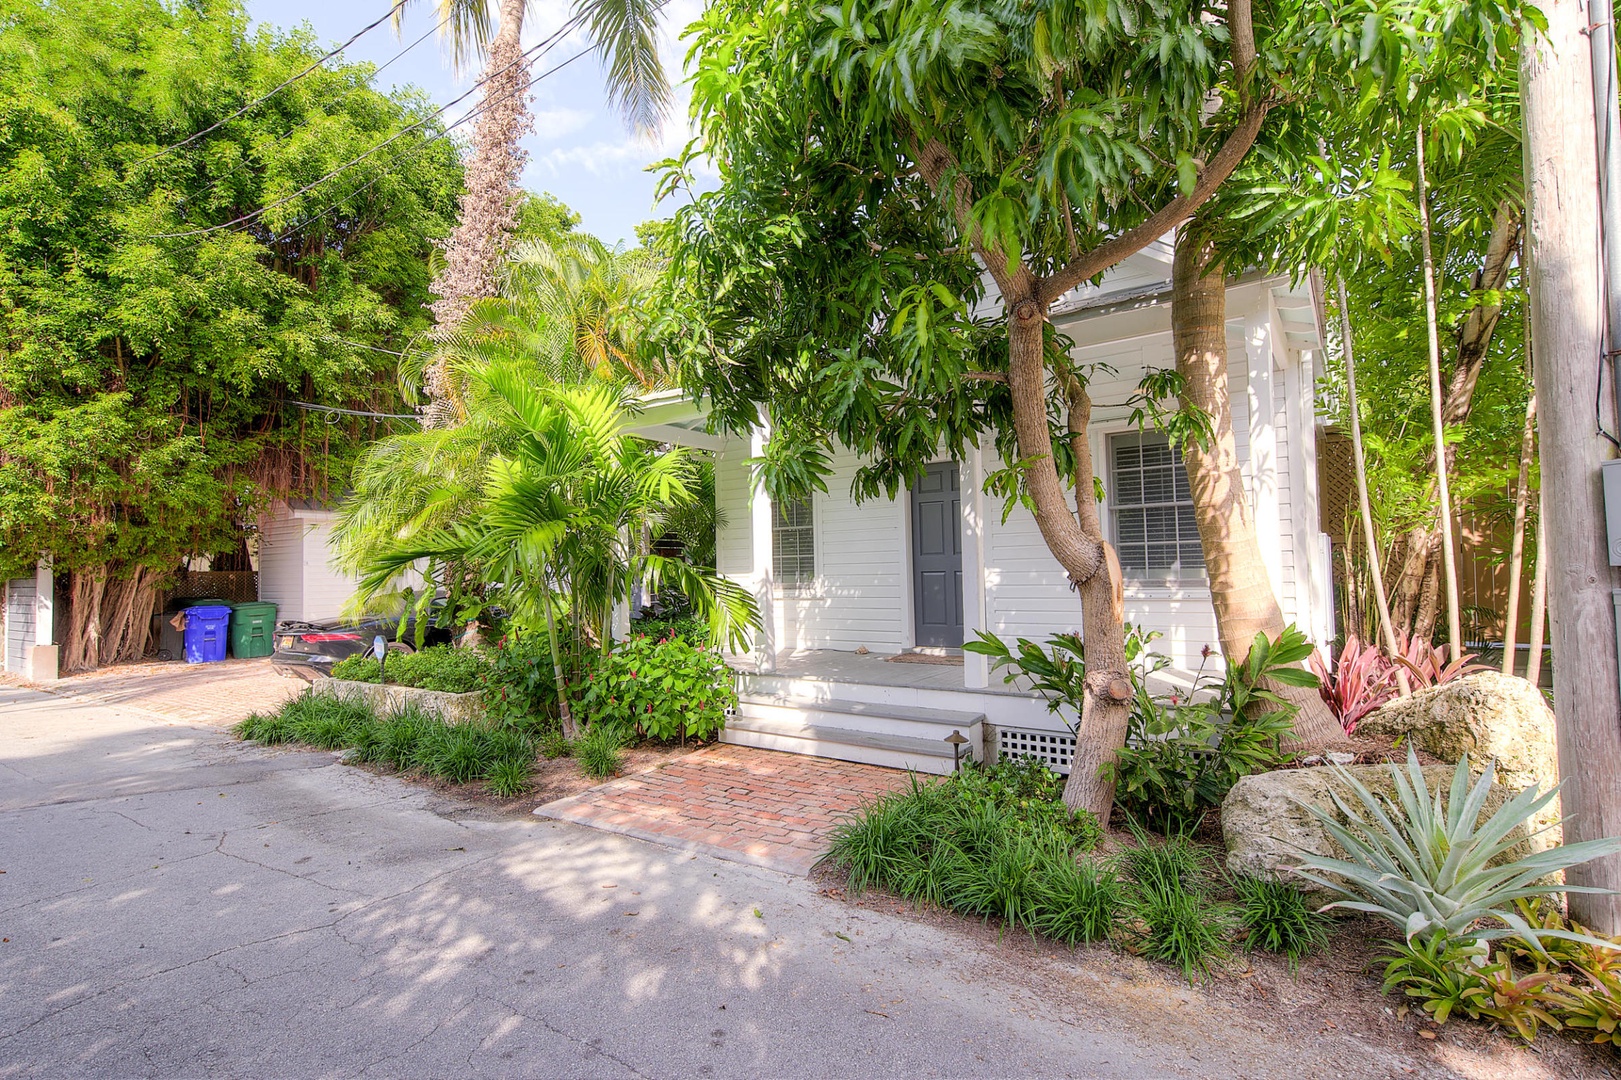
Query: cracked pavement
{"points": [[176, 903]]}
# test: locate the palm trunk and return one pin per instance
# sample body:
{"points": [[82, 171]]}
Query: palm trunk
{"points": [[565, 716], [1240, 587], [489, 203], [1364, 507], [1449, 557], [1516, 558]]}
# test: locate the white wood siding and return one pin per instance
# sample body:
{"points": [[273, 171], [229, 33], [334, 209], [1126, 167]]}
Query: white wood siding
{"points": [[861, 595], [326, 590], [281, 557], [20, 595]]}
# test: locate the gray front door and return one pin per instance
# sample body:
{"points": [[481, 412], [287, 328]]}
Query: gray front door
{"points": [[937, 557]]}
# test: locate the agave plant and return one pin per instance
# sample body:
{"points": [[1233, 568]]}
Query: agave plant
{"points": [[1423, 860]]}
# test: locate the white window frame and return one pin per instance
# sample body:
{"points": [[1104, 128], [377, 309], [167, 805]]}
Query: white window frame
{"points": [[798, 584], [1178, 584]]}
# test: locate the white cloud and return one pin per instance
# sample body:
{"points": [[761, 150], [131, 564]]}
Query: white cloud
{"points": [[553, 124]]}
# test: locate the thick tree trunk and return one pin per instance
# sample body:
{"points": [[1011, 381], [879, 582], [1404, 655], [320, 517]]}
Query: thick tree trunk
{"points": [[109, 617], [1567, 322], [1075, 538], [1240, 586]]}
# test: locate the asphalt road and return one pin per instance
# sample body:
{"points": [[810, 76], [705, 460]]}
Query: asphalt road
{"points": [[176, 903]]}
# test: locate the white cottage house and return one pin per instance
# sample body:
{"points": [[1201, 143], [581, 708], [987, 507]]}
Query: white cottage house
{"points": [[866, 606]]}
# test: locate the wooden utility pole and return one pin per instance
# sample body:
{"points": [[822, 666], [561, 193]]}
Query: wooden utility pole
{"points": [[1567, 325]]}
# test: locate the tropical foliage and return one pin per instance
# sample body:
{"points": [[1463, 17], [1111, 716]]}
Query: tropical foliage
{"points": [[662, 689], [1186, 749], [168, 302], [1428, 864], [556, 529], [1364, 678]]}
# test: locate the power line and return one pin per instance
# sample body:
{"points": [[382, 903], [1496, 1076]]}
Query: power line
{"points": [[310, 406], [521, 58], [278, 88], [430, 32]]}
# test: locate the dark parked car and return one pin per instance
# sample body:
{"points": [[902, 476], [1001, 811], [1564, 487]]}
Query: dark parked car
{"points": [[307, 650]]}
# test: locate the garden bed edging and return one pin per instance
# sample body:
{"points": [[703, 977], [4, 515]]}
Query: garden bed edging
{"points": [[389, 698]]}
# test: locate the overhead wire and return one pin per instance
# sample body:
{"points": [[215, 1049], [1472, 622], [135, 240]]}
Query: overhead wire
{"points": [[278, 88], [252, 215]]}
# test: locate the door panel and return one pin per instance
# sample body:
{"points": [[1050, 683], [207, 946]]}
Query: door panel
{"points": [[937, 557]]}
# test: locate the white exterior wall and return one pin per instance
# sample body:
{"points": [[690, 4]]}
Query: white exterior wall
{"points": [[294, 569], [859, 594], [862, 593]]}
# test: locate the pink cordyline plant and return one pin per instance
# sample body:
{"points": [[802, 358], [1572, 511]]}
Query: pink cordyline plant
{"points": [[1364, 678]]}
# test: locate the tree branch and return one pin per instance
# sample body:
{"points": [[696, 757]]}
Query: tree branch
{"points": [[1166, 218]]}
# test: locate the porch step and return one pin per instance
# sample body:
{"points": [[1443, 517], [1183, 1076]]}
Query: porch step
{"points": [[896, 736]]}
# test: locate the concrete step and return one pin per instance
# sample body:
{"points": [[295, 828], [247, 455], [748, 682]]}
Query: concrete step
{"points": [[899, 737], [910, 720]]}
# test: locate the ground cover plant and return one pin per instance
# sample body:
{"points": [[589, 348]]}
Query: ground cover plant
{"points": [[439, 667], [409, 740], [997, 842]]}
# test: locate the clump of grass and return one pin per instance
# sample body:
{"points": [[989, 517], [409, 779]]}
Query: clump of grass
{"points": [[600, 753], [1278, 918], [1184, 928], [326, 722], [1174, 917], [939, 844], [399, 735], [508, 777], [1081, 901]]}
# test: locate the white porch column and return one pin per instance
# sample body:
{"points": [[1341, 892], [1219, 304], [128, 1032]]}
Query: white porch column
{"points": [[1263, 448], [976, 668], [765, 644]]}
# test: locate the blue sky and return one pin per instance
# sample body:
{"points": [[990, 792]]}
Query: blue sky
{"points": [[580, 151]]}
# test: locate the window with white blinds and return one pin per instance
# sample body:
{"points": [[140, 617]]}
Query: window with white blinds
{"points": [[793, 542], [1155, 533]]}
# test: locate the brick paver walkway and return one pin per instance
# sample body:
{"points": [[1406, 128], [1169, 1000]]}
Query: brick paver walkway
{"points": [[762, 807], [221, 693]]}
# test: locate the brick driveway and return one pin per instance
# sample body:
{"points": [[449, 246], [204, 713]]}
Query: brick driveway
{"points": [[221, 693], [755, 806]]}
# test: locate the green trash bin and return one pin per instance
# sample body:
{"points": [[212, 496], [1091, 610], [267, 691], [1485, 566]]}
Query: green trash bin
{"points": [[253, 629]]}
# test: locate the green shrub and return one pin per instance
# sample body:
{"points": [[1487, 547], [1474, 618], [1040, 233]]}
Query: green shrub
{"points": [[661, 689], [1184, 752], [689, 628], [438, 667], [520, 685], [1278, 918], [1026, 788], [554, 744], [600, 752]]}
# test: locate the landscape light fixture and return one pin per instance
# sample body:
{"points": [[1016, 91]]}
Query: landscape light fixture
{"points": [[957, 742]]}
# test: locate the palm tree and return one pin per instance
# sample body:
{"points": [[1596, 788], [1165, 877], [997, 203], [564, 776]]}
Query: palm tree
{"points": [[557, 526], [625, 33]]}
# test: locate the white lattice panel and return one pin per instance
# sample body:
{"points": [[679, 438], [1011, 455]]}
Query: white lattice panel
{"points": [[1054, 749]]}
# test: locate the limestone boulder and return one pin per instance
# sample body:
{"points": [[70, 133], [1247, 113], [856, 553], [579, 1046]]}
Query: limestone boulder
{"points": [[1267, 828], [1489, 716]]}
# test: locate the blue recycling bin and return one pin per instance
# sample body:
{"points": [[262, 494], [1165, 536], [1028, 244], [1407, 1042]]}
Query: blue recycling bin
{"points": [[207, 632]]}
